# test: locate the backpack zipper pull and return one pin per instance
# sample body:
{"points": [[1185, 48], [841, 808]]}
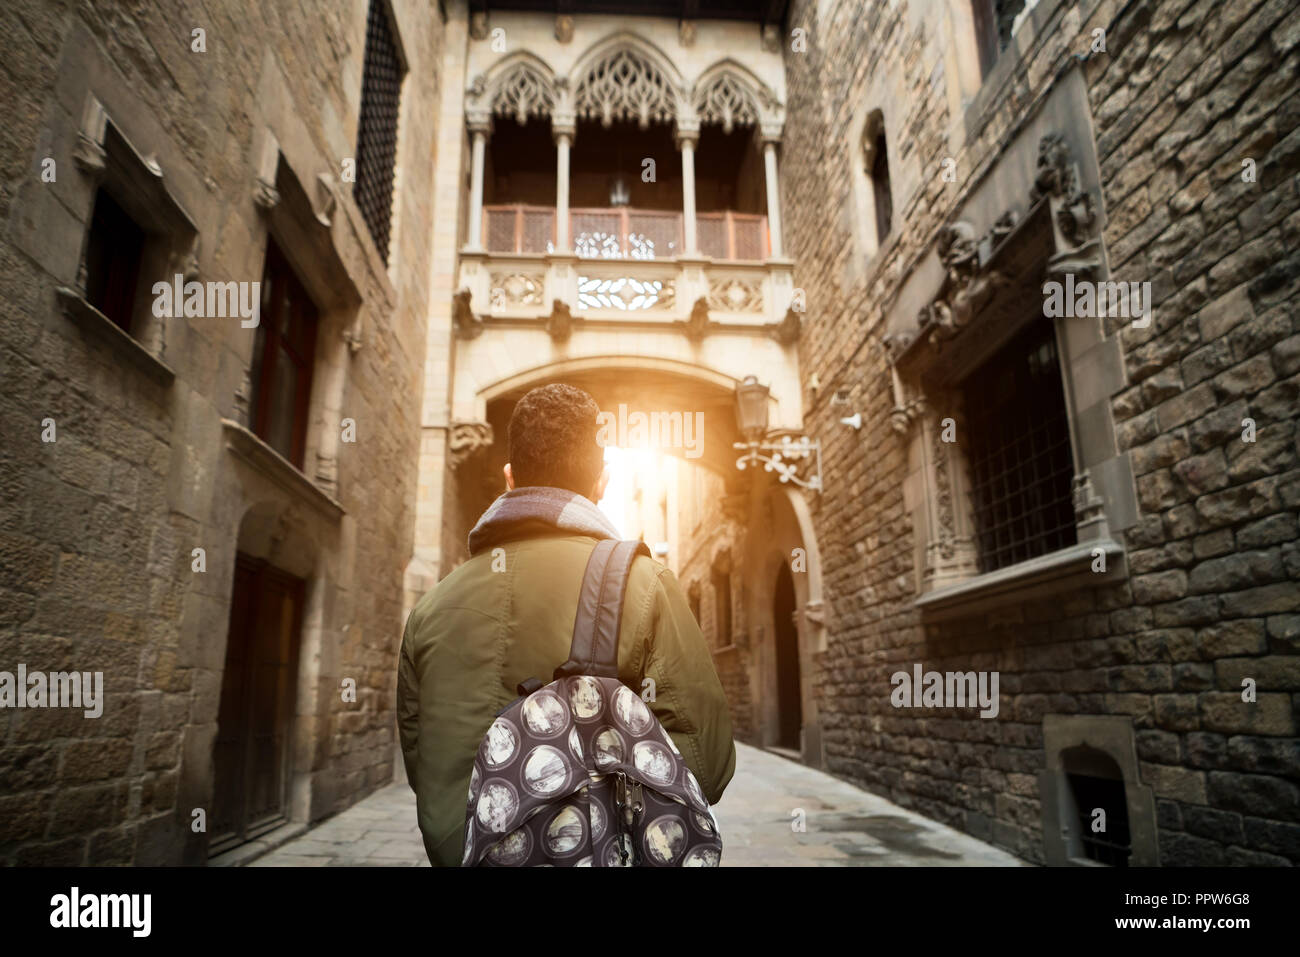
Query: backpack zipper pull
{"points": [[636, 801]]}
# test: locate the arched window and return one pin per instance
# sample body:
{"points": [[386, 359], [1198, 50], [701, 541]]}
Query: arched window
{"points": [[875, 158]]}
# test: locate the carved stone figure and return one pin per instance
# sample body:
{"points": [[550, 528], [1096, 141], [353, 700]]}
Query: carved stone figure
{"points": [[467, 325], [697, 326], [466, 438], [560, 322]]}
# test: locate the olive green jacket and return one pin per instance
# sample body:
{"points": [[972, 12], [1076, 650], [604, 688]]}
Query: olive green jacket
{"points": [[497, 620]]}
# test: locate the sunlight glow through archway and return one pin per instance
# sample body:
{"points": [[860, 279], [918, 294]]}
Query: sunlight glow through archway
{"points": [[625, 467]]}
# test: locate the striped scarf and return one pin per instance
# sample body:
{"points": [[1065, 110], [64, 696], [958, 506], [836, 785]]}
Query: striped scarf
{"points": [[538, 510]]}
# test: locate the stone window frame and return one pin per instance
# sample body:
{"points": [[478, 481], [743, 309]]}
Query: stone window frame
{"points": [[1113, 736], [301, 227], [954, 333], [873, 128], [108, 159]]}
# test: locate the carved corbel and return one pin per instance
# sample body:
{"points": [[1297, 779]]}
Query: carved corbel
{"points": [[89, 153], [265, 195], [185, 261], [353, 337], [467, 325], [560, 322], [326, 199], [697, 326], [466, 438], [787, 331], [908, 409], [814, 613]]}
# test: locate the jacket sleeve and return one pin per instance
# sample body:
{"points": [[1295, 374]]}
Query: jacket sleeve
{"points": [[408, 712], [688, 697]]}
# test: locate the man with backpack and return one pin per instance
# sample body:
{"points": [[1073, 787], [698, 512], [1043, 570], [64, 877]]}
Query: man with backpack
{"points": [[503, 623]]}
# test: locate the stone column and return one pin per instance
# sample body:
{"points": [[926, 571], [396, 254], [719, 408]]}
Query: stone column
{"points": [[479, 127], [686, 139], [773, 194], [563, 141]]}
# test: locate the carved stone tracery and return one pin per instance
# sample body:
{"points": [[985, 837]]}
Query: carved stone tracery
{"points": [[625, 85], [724, 99], [522, 93], [627, 82]]}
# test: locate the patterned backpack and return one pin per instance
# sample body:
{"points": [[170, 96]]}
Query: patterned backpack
{"points": [[580, 773]]}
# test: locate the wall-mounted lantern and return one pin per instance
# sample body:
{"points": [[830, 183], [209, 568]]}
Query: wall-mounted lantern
{"points": [[781, 452]]}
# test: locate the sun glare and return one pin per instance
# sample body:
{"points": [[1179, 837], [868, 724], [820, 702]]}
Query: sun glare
{"points": [[625, 466]]}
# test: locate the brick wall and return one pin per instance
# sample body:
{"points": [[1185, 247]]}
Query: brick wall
{"points": [[1186, 91]]}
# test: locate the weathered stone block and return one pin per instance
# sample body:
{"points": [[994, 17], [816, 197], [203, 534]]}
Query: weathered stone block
{"points": [[1226, 712]]}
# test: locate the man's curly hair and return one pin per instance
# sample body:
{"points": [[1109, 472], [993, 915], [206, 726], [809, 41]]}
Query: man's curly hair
{"points": [[552, 439]]}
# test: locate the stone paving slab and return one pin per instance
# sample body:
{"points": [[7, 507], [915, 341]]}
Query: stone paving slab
{"points": [[843, 826]]}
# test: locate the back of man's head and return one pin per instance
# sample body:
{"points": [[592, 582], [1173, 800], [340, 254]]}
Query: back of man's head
{"points": [[552, 439]]}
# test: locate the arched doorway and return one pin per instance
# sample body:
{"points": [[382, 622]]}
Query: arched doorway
{"points": [[273, 637], [788, 683]]}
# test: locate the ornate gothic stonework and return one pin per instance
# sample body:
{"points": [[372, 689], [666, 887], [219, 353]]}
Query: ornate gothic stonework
{"points": [[625, 86], [725, 100], [627, 81], [522, 93]]}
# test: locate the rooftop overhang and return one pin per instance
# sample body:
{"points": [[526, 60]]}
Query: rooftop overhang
{"points": [[757, 11]]}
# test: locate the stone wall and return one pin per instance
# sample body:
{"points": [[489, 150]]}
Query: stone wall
{"points": [[1185, 92], [99, 526]]}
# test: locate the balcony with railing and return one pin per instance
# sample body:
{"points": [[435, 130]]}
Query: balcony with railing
{"points": [[625, 233], [624, 261]]}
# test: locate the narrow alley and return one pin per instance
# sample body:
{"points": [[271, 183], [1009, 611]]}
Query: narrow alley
{"points": [[844, 826]]}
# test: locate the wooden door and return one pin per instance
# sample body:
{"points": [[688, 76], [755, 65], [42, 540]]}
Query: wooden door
{"points": [[258, 692]]}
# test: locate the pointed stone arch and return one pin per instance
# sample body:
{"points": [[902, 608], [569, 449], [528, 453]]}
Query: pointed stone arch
{"points": [[520, 86], [624, 77], [730, 95]]}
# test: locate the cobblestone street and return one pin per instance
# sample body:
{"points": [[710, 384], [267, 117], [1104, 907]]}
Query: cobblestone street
{"points": [[846, 826]]}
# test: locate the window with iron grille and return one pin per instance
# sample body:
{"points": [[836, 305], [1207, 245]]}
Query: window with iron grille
{"points": [[1018, 446], [381, 90], [1113, 844], [284, 356]]}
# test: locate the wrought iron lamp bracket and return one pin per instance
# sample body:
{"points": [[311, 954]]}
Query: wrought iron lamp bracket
{"points": [[787, 455]]}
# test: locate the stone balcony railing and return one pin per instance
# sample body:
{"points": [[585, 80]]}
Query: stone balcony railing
{"points": [[626, 264]]}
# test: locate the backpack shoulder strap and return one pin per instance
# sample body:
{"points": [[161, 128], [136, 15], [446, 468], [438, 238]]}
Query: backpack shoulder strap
{"points": [[594, 650]]}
